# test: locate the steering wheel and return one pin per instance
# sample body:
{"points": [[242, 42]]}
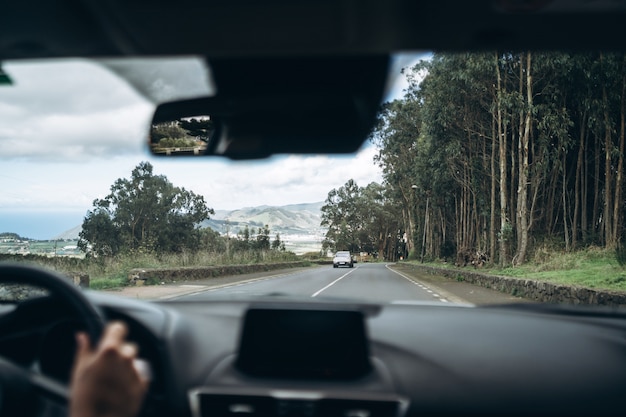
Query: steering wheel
{"points": [[19, 387]]}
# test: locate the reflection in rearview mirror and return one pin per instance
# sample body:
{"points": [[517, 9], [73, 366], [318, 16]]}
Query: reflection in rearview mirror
{"points": [[185, 136]]}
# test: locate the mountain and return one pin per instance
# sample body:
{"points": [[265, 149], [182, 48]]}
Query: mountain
{"points": [[71, 234], [297, 224], [286, 220]]}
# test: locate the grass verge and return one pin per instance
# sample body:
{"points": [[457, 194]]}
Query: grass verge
{"points": [[592, 267]]}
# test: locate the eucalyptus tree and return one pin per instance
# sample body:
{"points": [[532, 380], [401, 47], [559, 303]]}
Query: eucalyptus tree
{"points": [[456, 97], [146, 212], [340, 214], [505, 149], [364, 219], [263, 239], [613, 81], [396, 136], [384, 231]]}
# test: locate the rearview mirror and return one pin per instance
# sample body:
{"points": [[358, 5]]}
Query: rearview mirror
{"points": [[275, 106]]}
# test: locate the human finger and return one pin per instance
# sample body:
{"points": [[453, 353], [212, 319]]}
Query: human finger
{"points": [[144, 370], [114, 334], [83, 344], [129, 350]]}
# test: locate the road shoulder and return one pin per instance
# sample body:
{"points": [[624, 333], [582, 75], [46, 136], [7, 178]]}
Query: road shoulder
{"points": [[457, 291], [166, 291]]}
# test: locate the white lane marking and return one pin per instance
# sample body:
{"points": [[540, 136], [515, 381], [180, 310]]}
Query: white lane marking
{"points": [[334, 282], [225, 286], [434, 303], [449, 297]]}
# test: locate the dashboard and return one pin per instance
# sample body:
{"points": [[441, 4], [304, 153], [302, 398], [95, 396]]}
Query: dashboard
{"points": [[277, 356], [263, 357]]}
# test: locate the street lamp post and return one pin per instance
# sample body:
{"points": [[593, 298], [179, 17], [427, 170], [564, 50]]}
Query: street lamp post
{"points": [[413, 214], [424, 235]]}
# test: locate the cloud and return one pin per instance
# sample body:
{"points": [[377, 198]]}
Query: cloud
{"points": [[69, 110], [278, 181], [50, 186], [224, 184], [60, 149]]}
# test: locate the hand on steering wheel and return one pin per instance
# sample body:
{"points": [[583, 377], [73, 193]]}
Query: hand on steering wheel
{"points": [[105, 381]]}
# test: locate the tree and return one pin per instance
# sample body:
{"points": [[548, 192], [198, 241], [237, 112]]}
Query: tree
{"points": [[212, 241], [242, 243], [263, 239], [99, 235], [145, 212], [513, 147], [494, 153], [167, 130], [198, 128], [363, 220], [277, 244], [340, 215], [397, 135]]}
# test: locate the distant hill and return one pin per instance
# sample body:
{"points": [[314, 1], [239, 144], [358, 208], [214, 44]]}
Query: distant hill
{"points": [[286, 220], [298, 224], [71, 234], [9, 236]]}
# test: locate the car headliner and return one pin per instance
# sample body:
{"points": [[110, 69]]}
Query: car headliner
{"points": [[244, 28]]}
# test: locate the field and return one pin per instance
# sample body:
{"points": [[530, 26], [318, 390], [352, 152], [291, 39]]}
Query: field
{"points": [[41, 247], [300, 244]]}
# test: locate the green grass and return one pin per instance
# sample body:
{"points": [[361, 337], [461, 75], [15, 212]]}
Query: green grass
{"points": [[592, 267], [107, 283]]}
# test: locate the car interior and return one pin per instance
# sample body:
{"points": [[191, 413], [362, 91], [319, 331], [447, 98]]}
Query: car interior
{"points": [[272, 66]]}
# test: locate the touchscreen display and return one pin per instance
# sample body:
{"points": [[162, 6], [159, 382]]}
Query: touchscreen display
{"points": [[304, 344]]}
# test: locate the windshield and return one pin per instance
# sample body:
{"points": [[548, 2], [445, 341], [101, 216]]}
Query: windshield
{"points": [[500, 165]]}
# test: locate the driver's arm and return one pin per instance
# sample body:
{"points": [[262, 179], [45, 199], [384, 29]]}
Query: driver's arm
{"points": [[105, 381]]}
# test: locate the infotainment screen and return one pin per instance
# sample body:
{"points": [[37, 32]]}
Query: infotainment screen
{"points": [[291, 343]]}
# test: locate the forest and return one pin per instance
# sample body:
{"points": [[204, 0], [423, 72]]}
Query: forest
{"points": [[493, 154]]}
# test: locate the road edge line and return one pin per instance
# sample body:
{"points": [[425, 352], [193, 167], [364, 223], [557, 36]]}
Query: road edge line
{"points": [[445, 294]]}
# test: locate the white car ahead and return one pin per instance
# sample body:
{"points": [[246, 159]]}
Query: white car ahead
{"points": [[343, 258]]}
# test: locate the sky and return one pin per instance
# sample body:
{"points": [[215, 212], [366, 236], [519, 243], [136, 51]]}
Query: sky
{"points": [[62, 147]]}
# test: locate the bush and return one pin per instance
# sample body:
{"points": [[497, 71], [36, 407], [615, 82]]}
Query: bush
{"points": [[447, 250], [314, 255], [620, 254]]}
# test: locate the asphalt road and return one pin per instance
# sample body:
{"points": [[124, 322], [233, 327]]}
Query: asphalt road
{"points": [[399, 283], [365, 282]]}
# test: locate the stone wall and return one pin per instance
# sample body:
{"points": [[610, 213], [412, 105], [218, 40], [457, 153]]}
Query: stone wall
{"points": [[534, 290], [79, 279], [19, 292], [158, 275]]}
